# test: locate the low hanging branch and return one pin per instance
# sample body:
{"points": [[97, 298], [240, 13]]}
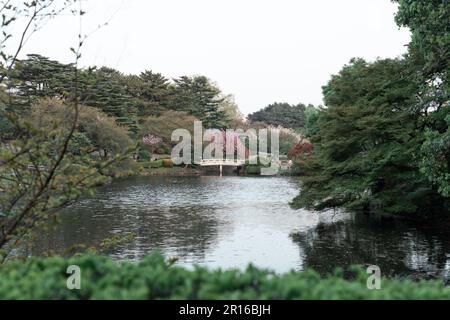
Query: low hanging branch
{"points": [[37, 174]]}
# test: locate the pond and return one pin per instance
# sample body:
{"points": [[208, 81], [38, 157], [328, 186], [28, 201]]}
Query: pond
{"points": [[230, 222]]}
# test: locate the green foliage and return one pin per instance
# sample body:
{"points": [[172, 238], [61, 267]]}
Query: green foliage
{"points": [[156, 164], [124, 168], [312, 115], [154, 278], [435, 162], [38, 175], [129, 99], [42, 169], [253, 169], [383, 143], [288, 140], [281, 114], [102, 88], [145, 164], [144, 155], [365, 153], [6, 127], [108, 244], [151, 92], [80, 144], [39, 77], [200, 98], [430, 45], [429, 52], [95, 129]]}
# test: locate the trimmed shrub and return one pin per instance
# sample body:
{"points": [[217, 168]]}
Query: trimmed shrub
{"points": [[168, 163], [156, 164], [144, 155], [146, 164], [253, 169], [154, 278]]}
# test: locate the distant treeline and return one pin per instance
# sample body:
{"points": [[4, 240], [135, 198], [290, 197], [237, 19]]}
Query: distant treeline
{"points": [[143, 104], [128, 98]]}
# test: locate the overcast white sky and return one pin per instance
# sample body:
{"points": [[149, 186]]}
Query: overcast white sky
{"points": [[261, 51]]}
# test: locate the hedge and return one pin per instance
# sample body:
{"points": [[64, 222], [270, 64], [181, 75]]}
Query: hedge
{"points": [[253, 169], [144, 155], [145, 164], [152, 164], [154, 278], [156, 164]]}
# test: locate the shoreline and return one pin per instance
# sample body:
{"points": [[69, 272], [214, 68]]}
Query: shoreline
{"points": [[170, 172]]}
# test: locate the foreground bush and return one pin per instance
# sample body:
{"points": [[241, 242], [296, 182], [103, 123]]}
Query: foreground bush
{"points": [[153, 278]]}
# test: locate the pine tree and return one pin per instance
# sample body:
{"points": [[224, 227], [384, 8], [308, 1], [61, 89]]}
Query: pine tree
{"points": [[39, 77], [281, 114], [102, 89], [200, 98]]}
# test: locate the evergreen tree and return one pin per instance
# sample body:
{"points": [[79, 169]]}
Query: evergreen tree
{"points": [[150, 92], [39, 77], [312, 115], [156, 88], [197, 96], [367, 145], [281, 114], [102, 89], [127, 98], [429, 52]]}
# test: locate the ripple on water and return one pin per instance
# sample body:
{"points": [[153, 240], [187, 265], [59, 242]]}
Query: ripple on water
{"points": [[232, 221]]}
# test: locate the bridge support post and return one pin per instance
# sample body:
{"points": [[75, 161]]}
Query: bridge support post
{"points": [[221, 170]]}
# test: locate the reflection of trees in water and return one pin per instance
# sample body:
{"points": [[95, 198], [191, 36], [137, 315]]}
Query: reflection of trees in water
{"points": [[164, 213], [396, 248], [185, 231]]}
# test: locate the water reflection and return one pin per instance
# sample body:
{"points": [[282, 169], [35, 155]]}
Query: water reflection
{"points": [[397, 248], [142, 209], [233, 221]]}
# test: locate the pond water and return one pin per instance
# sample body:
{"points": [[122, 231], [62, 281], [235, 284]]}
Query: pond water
{"points": [[230, 222]]}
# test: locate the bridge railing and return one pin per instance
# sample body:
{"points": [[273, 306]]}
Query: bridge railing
{"points": [[222, 162]]}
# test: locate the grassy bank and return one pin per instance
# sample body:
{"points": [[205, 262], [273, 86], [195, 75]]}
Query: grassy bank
{"points": [[174, 171], [162, 165], [154, 278]]}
